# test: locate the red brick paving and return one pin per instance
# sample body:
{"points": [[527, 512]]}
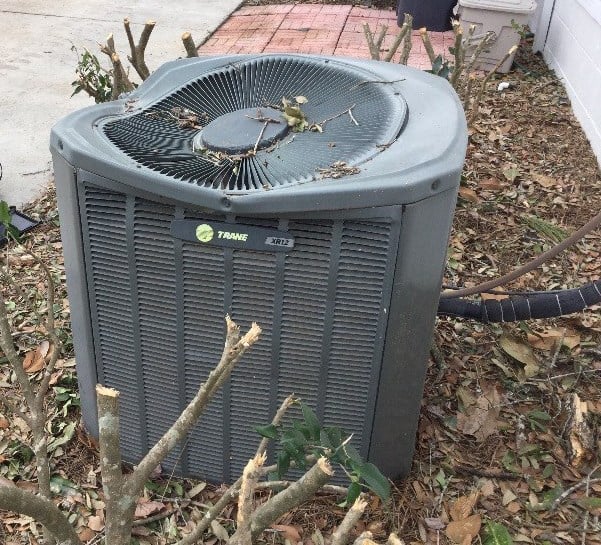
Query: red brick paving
{"points": [[313, 28]]}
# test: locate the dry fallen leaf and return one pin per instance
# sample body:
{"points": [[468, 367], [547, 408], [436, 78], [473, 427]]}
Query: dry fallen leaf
{"points": [[487, 487], [545, 181], [288, 532], [95, 523], [464, 530], [196, 490], [521, 352], [86, 534], [469, 194], [492, 184], [549, 338], [147, 508], [481, 418], [434, 523], [495, 296], [462, 506], [35, 359]]}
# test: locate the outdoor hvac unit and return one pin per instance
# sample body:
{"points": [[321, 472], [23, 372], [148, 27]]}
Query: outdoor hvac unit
{"points": [[191, 198]]}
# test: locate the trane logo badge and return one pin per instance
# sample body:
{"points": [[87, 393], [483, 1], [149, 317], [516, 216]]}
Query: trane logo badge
{"points": [[232, 235], [204, 232]]}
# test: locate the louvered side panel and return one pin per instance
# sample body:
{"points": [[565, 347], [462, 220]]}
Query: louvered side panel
{"points": [[111, 301], [252, 300], [204, 333], [157, 311], [356, 348], [303, 311]]}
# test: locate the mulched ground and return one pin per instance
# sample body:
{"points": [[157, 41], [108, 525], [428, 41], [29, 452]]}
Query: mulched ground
{"points": [[495, 441]]}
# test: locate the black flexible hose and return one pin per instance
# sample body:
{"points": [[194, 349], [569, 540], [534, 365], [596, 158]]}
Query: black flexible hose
{"points": [[524, 307]]}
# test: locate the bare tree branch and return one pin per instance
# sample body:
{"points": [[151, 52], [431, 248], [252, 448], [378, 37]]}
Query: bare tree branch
{"points": [[136, 58], [8, 347], [121, 81], [41, 509], [120, 501], [407, 39], [366, 538], [233, 490], [476, 104], [250, 477], [381, 36], [235, 347], [374, 51], [423, 32], [341, 535], [298, 492], [277, 419], [393, 539], [212, 513], [189, 45]]}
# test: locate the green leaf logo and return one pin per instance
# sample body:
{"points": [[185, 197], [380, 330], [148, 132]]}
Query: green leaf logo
{"points": [[204, 232]]}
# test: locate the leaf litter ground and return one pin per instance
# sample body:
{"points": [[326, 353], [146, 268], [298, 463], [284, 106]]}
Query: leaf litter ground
{"points": [[509, 430]]}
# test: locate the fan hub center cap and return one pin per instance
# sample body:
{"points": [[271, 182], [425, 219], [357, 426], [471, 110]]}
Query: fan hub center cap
{"points": [[242, 131]]}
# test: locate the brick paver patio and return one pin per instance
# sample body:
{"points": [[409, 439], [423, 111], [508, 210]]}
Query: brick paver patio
{"points": [[313, 28]]}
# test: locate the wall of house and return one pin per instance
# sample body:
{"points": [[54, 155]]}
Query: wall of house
{"points": [[569, 35]]}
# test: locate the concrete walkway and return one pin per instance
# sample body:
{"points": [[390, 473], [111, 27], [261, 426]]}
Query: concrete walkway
{"points": [[37, 68]]}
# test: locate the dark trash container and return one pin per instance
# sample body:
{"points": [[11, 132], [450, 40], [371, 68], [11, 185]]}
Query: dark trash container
{"points": [[433, 14]]}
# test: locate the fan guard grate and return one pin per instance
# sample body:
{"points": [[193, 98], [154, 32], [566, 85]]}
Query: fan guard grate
{"points": [[155, 139]]}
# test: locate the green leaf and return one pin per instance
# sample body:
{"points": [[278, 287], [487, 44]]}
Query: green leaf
{"points": [[178, 489], [59, 485], [331, 438], [311, 421], [270, 431], [66, 435], [303, 428], [548, 471], [548, 498], [352, 454], [496, 534], [294, 438], [445, 71], [4, 213], [375, 481], [283, 463], [441, 478], [353, 493], [295, 453], [590, 504], [13, 232], [511, 173]]}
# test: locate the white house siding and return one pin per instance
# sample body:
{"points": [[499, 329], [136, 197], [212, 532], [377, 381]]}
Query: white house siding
{"points": [[573, 49]]}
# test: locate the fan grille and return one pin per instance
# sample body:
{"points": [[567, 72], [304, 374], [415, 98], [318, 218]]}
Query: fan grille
{"points": [[155, 137]]}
